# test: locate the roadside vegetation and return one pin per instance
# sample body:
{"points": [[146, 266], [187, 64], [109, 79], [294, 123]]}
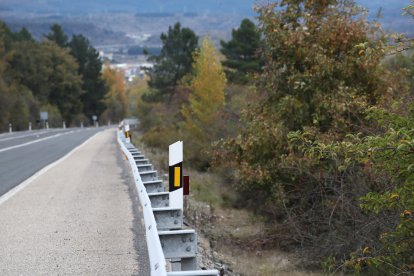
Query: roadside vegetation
{"points": [[60, 76], [304, 120]]}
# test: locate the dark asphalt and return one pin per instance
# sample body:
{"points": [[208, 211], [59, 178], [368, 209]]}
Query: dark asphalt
{"points": [[19, 163]]}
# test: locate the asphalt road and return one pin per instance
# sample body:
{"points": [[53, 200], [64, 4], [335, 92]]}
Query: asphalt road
{"points": [[80, 217], [24, 153]]}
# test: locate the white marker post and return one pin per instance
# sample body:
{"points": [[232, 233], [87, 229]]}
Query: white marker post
{"points": [[30, 126], [176, 175], [127, 135], [10, 128]]}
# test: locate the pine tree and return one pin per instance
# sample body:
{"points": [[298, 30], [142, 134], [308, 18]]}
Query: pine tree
{"points": [[242, 52], [58, 36], [174, 62], [90, 67]]}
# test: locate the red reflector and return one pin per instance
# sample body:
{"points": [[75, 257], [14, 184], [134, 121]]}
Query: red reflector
{"points": [[186, 185]]}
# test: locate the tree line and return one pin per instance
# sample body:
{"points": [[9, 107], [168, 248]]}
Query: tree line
{"points": [[308, 115], [60, 76]]}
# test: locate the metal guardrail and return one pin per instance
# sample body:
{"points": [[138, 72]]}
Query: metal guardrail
{"points": [[165, 239]]}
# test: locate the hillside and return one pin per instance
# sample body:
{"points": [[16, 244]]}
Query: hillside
{"points": [[124, 22]]}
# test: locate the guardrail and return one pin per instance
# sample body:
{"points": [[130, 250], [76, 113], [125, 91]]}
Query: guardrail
{"points": [[164, 234]]}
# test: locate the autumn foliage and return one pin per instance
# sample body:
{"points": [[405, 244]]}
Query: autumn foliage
{"points": [[320, 145]]}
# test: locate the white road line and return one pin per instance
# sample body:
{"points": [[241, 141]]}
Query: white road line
{"points": [[36, 141], [33, 133], [25, 183], [28, 135]]}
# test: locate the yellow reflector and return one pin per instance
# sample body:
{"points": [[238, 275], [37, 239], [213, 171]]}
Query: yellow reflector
{"points": [[177, 182]]}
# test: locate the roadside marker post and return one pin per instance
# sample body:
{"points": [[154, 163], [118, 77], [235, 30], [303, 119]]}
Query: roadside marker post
{"points": [[94, 119], [30, 126], [127, 133], [10, 128], [175, 176]]}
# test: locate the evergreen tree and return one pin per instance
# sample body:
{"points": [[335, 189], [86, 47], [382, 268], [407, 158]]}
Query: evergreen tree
{"points": [[90, 67], [242, 52], [57, 35], [174, 62], [23, 35]]}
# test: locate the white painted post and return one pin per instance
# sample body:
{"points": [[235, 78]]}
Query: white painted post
{"points": [[81, 124], [47, 125], [10, 128], [30, 126], [176, 158], [64, 125], [126, 132]]}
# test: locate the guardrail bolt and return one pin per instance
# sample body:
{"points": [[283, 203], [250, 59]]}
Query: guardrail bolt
{"points": [[191, 238], [183, 239], [188, 249], [175, 221]]}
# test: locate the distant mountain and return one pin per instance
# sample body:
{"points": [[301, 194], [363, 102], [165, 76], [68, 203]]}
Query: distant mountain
{"points": [[116, 21], [138, 6], [244, 7]]}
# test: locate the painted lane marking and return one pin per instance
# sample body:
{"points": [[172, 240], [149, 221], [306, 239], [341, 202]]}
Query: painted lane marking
{"points": [[36, 141], [28, 135]]}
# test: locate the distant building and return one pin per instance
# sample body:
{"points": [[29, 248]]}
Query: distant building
{"points": [[131, 71], [106, 56]]}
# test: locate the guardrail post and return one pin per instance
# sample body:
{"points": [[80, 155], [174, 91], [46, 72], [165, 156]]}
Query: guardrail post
{"points": [[188, 264]]}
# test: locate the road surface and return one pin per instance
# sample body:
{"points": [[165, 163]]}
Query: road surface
{"points": [[24, 153], [80, 217]]}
